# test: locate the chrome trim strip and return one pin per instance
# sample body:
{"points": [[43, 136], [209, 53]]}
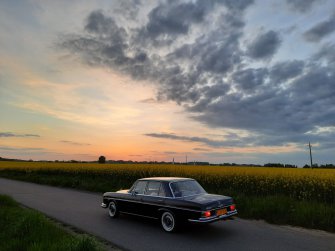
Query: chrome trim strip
{"points": [[139, 215], [214, 218], [155, 196], [180, 208]]}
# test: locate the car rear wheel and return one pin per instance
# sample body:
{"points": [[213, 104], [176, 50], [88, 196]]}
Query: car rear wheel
{"points": [[168, 222], [112, 210]]}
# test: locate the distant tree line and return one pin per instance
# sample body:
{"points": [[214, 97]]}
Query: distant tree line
{"points": [[327, 166], [280, 165], [102, 160]]}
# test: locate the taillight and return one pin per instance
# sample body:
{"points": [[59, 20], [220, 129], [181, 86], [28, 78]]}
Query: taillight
{"points": [[232, 207], [206, 214]]}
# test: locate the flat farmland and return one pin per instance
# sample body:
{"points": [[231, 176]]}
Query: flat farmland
{"points": [[302, 197]]}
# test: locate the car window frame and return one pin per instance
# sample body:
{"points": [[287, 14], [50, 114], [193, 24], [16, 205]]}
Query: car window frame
{"points": [[134, 187], [159, 188], [164, 185]]}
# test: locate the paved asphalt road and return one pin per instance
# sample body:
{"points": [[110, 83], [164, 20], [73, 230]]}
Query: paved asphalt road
{"points": [[82, 210]]}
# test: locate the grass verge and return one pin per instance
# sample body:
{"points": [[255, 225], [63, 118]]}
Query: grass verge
{"points": [[26, 229], [287, 211], [277, 209]]}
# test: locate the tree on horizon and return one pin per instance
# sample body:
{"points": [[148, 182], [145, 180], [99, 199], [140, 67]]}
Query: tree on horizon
{"points": [[102, 160]]}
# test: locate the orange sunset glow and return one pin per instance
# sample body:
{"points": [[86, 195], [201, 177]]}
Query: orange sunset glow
{"points": [[249, 83]]}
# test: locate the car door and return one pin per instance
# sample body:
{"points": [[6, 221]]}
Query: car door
{"points": [[134, 204], [153, 198]]}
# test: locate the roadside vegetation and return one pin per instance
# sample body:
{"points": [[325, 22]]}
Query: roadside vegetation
{"points": [[26, 229], [301, 197]]}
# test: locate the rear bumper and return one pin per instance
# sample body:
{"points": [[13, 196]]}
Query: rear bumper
{"points": [[215, 218], [103, 205]]}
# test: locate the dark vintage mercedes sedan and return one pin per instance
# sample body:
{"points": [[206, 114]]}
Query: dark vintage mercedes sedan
{"points": [[171, 200]]}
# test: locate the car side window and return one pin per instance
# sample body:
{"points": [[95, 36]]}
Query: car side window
{"points": [[153, 188], [176, 190], [140, 187]]}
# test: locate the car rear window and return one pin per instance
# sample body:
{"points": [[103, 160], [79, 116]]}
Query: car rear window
{"points": [[186, 188]]}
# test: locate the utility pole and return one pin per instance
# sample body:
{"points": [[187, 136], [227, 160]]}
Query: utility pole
{"points": [[310, 154], [186, 159]]}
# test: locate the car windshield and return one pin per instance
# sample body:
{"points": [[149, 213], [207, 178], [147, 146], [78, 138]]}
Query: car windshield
{"points": [[186, 188]]}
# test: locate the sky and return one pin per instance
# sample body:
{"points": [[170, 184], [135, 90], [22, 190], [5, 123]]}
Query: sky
{"points": [[231, 81]]}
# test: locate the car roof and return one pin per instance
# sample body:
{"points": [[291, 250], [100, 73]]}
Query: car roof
{"points": [[167, 179]]}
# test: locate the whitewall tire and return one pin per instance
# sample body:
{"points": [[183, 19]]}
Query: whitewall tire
{"points": [[168, 222], [113, 211]]}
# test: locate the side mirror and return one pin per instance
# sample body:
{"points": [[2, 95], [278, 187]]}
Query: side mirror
{"points": [[134, 193]]}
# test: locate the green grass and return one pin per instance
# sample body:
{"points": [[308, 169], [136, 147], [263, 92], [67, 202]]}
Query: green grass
{"points": [[274, 208], [284, 210], [25, 229]]}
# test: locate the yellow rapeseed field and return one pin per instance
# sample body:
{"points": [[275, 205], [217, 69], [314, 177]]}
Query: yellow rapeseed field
{"points": [[301, 184]]}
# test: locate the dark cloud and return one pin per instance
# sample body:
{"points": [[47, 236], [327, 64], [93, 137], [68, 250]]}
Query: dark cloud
{"points": [[104, 45], [127, 8], [74, 143], [209, 58], [276, 111], [170, 152], [208, 73], [219, 58], [326, 53], [149, 101], [250, 79], [318, 86], [10, 134], [322, 140], [201, 149], [321, 30], [325, 146], [226, 156], [236, 5], [264, 46], [216, 90], [107, 44], [237, 141], [180, 138], [173, 18], [8, 148], [284, 71], [301, 5]]}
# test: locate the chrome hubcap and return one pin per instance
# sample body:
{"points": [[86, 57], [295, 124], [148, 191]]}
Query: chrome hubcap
{"points": [[112, 209], [167, 221]]}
